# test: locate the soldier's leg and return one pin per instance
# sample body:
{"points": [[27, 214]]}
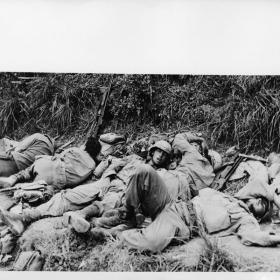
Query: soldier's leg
{"points": [[78, 219], [156, 236], [72, 199], [146, 192], [68, 200], [8, 167]]}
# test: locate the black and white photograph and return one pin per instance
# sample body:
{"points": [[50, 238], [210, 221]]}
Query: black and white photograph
{"points": [[137, 137], [109, 172]]}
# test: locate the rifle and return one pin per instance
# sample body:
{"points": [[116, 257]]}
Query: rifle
{"points": [[101, 110], [222, 178], [254, 158], [38, 185], [62, 147]]}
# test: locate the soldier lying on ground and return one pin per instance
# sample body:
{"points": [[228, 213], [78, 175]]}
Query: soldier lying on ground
{"points": [[67, 169], [192, 173], [210, 212], [23, 155], [263, 187]]}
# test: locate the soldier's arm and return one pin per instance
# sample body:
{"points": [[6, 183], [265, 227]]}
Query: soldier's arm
{"points": [[114, 167], [251, 234], [22, 176], [25, 143], [190, 137], [182, 144]]}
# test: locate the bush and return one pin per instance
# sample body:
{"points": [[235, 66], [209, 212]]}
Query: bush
{"points": [[64, 103], [242, 110], [54, 103]]}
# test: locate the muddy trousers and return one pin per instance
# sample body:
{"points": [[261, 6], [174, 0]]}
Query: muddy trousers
{"points": [[70, 200], [8, 167], [148, 192]]}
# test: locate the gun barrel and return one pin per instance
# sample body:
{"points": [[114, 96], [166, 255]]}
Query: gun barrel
{"points": [[258, 158], [8, 189]]}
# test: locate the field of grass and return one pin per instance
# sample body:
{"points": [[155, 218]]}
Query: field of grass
{"points": [[243, 110]]}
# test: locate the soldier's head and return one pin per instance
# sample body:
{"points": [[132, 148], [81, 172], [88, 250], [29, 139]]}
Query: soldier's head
{"points": [[258, 206], [197, 146], [93, 147], [160, 153]]}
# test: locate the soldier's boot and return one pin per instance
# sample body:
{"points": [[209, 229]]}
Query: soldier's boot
{"points": [[13, 221], [110, 213], [139, 218], [18, 222], [101, 234], [108, 221], [8, 243], [78, 219], [133, 216]]}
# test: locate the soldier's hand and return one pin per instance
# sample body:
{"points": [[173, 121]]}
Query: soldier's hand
{"points": [[6, 182], [204, 147]]}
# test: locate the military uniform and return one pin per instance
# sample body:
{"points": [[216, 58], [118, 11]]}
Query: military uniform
{"points": [[23, 155], [67, 169]]}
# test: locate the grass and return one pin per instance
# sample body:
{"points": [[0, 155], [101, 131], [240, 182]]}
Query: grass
{"points": [[65, 250], [114, 257], [216, 260], [244, 110], [12, 111]]}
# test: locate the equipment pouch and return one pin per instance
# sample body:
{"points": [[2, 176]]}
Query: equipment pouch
{"points": [[29, 261]]}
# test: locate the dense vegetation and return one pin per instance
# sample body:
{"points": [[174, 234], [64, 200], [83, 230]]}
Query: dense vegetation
{"points": [[243, 110]]}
